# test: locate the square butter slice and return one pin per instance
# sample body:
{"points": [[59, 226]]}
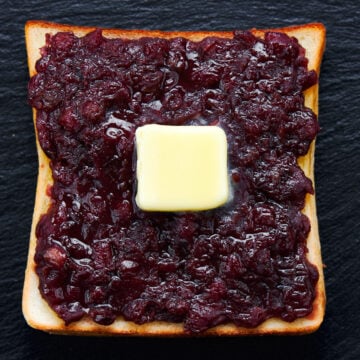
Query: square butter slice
{"points": [[181, 168]]}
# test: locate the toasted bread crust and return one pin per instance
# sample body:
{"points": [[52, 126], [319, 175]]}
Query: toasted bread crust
{"points": [[35, 309]]}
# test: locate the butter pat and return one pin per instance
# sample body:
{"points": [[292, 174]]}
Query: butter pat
{"points": [[181, 168]]}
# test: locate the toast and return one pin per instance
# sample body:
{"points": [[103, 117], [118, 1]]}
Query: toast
{"points": [[38, 313]]}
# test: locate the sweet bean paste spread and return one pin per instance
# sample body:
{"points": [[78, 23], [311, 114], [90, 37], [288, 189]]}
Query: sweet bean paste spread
{"points": [[99, 255]]}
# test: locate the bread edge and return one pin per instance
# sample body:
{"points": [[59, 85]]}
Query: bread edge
{"points": [[35, 309]]}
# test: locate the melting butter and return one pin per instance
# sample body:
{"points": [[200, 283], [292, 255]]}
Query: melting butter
{"points": [[181, 168]]}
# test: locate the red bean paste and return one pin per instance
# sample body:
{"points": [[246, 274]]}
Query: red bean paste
{"points": [[99, 255]]}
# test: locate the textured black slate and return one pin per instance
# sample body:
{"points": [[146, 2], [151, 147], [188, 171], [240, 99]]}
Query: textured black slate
{"points": [[337, 173]]}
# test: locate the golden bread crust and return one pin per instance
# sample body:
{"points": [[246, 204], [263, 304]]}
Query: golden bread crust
{"points": [[35, 309]]}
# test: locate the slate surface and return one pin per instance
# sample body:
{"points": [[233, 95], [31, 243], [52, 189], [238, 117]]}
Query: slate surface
{"points": [[337, 174]]}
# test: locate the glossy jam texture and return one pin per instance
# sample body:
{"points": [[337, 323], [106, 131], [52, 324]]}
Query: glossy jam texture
{"points": [[98, 254]]}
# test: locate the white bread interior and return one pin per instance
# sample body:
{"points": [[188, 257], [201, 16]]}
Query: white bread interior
{"points": [[36, 310]]}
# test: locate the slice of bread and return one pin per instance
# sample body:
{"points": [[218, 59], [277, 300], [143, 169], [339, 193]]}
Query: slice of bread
{"points": [[36, 310]]}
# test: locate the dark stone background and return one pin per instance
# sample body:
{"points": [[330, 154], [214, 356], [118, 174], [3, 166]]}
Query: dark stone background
{"points": [[337, 174]]}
